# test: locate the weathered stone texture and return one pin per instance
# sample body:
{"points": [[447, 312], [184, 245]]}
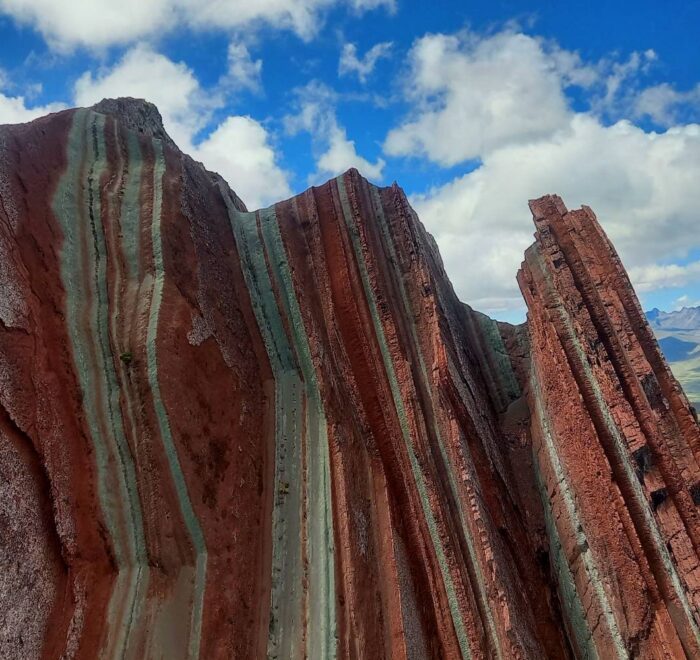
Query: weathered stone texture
{"points": [[615, 446], [280, 434]]}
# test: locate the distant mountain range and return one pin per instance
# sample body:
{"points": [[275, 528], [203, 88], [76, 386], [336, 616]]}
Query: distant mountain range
{"points": [[687, 318], [678, 334]]}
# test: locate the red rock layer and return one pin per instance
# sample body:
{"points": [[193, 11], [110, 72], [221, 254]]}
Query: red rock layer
{"points": [[84, 574], [233, 434], [616, 448], [280, 434]]}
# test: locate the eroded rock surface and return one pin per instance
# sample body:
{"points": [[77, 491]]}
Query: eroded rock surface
{"points": [[280, 434], [616, 448]]}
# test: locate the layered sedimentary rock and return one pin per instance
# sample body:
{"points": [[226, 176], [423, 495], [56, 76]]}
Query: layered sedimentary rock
{"points": [[616, 448], [280, 434]]}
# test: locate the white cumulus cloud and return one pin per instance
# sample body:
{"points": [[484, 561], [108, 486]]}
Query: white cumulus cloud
{"points": [[93, 23], [641, 185], [239, 148], [665, 105], [368, 5], [336, 153], [102, 23], [341, 155], [243, 71], [657, 276], [474, 95], [501, 100], [362, 66], [145, 73], [14, 109]]}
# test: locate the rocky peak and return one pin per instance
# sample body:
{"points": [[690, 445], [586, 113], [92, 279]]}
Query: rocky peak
{"points": [[280, 434], [137, 115]]}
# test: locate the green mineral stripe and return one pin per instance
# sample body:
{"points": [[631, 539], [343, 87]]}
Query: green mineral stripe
{"points": [[568, 594], [258, 282], [504, 370], [130, 213], [534, 259], [282, 275], [286, 600], [116, 470], [482, 592], [129, 227], [321, 637], [575, 525], [191, 522], [120, 608], [418, 475]]}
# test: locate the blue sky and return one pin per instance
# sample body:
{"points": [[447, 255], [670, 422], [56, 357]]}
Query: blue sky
{"points": [[472, 107]]}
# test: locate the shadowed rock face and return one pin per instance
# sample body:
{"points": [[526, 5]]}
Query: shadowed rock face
{"points": [[280, 434]]}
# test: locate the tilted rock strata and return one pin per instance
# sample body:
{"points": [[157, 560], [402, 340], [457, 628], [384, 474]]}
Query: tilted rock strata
{"points": [[280, 434], [233, 434], [616, 448]]}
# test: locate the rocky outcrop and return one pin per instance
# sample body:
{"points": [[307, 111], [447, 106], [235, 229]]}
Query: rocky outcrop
{"points": [[280, 434], [616, 448]]}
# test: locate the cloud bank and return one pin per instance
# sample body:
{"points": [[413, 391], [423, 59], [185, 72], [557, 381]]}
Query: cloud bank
{"points": [[103, 23], [500, 102]]}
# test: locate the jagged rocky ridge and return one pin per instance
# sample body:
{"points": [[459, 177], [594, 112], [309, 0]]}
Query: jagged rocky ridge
{"points": [[279, 434]]}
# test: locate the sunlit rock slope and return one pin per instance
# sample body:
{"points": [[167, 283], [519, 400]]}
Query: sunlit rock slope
{"points": [[233, 434]]}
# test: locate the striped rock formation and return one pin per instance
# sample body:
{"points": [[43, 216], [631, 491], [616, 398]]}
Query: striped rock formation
{"points": [[616, 446], [279, 434]]}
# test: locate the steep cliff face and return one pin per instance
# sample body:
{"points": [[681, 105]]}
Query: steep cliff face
{"points": [[616, 448], [280, 434]]}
